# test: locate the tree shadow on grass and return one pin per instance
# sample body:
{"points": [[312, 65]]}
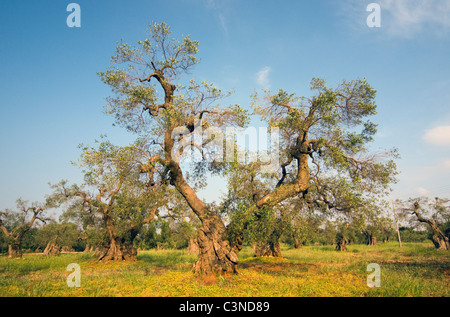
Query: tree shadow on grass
{"points": [[426, 269]]}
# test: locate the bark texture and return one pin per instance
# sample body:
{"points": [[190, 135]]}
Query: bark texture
{"points": [[193, 246], [216, 256], [119, 248]]}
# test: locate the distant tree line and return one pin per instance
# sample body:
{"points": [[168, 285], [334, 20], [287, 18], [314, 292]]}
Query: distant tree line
{"points": [[172, 233]]}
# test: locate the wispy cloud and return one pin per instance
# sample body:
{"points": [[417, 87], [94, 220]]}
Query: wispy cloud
{"points": [[399, 18], [408, 17], [423, 191], [217, 7], [439, 136], [425, 180], [446, 164], [223, 23], [262, 77]]}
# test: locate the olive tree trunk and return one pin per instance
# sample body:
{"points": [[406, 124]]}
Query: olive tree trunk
{"points": [[15, 250], [371, 240], [269, 248], [440, 240], [341, 242], [193, 246], [215, 255], [119, 248], [52, 248]]}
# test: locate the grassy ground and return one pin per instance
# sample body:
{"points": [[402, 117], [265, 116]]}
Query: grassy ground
{"points": [[415, 270]]}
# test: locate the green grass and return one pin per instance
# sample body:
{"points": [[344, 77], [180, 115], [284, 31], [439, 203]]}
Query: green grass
{"points": [[417, 269]]}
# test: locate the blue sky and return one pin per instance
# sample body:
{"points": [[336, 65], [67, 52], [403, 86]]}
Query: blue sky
{"points": [[51, 99]]}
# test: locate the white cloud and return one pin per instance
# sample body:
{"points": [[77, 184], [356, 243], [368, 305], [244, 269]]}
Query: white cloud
{"points": [[446, 163], [211, 4], [223, 23], [399, 18], [262, 77], [407, 17], [422, 191], [218, 7], [438, 136]]}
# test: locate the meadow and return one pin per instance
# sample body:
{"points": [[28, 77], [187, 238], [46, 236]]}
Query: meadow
{"points": [[416, 269]]}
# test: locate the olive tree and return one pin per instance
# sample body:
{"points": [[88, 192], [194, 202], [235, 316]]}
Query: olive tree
{"points": [[435, 214], [116, 189], [324, 154], [15, 224], [150, 99]]}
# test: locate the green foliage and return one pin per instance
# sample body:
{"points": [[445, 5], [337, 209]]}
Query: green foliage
{"points": [[133, 95], [64, 234], [335, 125], [408, 234], [262, 224], [163, 234]]}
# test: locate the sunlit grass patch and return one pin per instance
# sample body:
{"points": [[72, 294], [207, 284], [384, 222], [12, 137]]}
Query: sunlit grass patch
{"points": [[414, 270]]}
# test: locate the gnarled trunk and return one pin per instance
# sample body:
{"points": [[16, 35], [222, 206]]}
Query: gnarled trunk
{"points": [[88, 248], [341, 242], [269, 248], [440, 241], [371, 239], [118, 250], [297, 243], [216, 256], [14, 250], [52, 248]]}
